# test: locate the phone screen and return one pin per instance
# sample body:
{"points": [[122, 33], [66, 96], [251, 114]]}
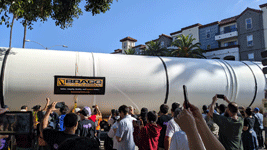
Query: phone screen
{"points": [[14, 123], [185, 97]]}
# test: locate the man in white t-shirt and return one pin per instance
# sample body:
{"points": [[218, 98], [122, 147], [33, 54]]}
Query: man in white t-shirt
{"points": [[172, 126]]}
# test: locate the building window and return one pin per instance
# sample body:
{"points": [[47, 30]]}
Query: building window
{"points": [[251, 56], [124, 45], [162, 43], [225, 44], [249, 23], [250, 40], [208, 33], [208, 47]]}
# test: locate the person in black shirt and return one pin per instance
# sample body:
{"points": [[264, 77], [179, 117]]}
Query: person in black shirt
{"points": [[163, 122], [249, 136], [86, 128], [55, 138], [79, 143]]}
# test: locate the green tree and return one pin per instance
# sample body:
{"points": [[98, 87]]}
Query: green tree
{"points": [[154, 49], [62, 11], [130, 51], [186, 48]]}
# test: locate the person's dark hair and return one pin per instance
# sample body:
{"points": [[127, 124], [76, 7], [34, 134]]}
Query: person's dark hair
{"points": [[205, 109], [124, 109], [164, 108], [174, 106], [79, 143], [117, 112], [113, 112], [248, 111], [222, 108], [177, 112], [64, 109], [23, 107], [233, 107], [152, 116], [70, 120], [143, 115]]}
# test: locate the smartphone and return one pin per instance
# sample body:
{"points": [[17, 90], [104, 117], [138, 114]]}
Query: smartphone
{"points": [[60, 105], [185, 97], [220, 96], [16, 123]]}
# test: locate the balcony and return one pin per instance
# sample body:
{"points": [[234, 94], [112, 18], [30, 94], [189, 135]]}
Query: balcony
{"points": [[226, 34]]}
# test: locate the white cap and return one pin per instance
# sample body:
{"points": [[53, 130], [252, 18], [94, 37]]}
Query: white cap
{"points": [[77, 109]]}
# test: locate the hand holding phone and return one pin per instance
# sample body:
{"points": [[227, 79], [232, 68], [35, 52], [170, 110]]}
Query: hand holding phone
{"points": [[185, 97], [221, 96]]}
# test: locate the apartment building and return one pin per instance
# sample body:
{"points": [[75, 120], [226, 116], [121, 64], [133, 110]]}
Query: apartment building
{"points": [[242, 37], [164, 40], [251, 35], [264, 17]]}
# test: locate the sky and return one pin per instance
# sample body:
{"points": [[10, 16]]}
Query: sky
{"points": [[143, 20]]}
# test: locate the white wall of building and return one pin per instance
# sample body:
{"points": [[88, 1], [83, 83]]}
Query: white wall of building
{"points": [[129, 44], [264, 16], [194, 31], [223, 53]]}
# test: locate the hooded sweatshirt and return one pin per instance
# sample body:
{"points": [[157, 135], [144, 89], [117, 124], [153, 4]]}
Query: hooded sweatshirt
{"points": [[147, 137]]}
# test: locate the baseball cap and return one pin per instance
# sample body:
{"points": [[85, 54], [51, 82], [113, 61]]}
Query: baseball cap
{"points": [[256, 109], [36, 107], [84, 112], [88, 109], [77, 110]]}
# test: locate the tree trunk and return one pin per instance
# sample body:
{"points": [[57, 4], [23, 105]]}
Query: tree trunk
{"points": [[11, 29], [24, 37]]}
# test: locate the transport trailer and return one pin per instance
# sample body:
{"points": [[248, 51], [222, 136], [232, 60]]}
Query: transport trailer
{"points": [[110, 80]]}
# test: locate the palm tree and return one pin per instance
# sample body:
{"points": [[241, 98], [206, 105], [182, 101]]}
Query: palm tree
{"points": [[154, 49], [186, 48], [130, 51]]}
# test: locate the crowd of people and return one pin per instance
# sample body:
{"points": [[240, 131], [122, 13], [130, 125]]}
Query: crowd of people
{"points": [[216, 128]]}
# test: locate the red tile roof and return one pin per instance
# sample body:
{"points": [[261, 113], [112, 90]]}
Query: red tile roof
{"points": [[263, 5], [117, 51], [165, 36], [251, 9], [143, 47], [138, 46], [210, 24], [188, 27], [228, 20], [129, 39], [152, 40]]}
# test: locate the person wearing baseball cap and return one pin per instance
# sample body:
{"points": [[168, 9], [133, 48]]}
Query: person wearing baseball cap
{"points": [[258, 126], [86, 127]]}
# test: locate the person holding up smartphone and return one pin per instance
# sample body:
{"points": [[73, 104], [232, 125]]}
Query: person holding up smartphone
{"points": [[148, 134], [230, 125]]}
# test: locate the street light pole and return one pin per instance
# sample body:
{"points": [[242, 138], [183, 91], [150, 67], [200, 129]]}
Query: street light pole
{"points": [[44, 46]]}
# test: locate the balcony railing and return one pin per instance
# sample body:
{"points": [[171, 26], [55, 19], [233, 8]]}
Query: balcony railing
{"points": [[226, 34], [226, 31]]}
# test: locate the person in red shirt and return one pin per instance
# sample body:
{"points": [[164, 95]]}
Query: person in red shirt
{"points": [[147, 137]]}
